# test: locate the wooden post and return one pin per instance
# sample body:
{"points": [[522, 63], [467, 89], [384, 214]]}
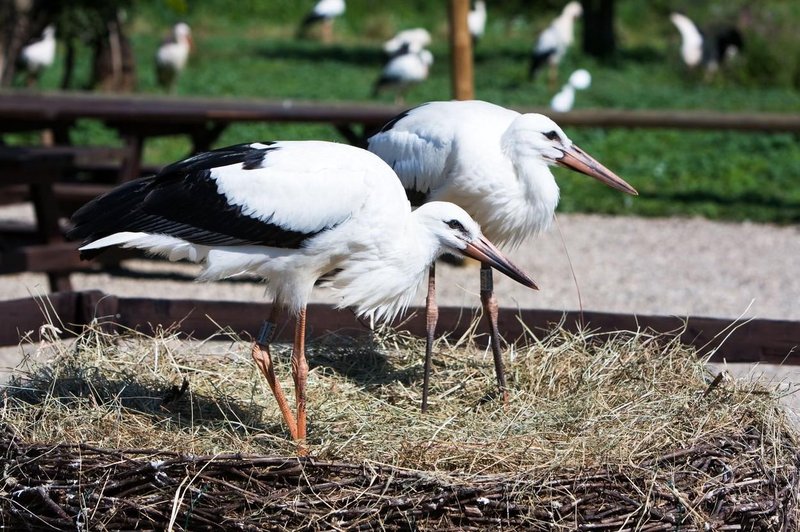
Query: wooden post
{"points": [[461, 51]]}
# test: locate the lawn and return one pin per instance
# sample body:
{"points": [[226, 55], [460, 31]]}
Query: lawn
{"points": [[251, 52]]}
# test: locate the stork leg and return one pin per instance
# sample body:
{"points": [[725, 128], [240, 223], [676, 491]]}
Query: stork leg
{"points": [[300, 373], [431, 317], [263, 359], [552, 79], [490, 311]]}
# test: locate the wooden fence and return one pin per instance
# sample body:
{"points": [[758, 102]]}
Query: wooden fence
{"points": [[768, 341]]}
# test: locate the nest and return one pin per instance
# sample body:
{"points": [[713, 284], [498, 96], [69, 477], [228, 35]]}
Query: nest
{"points": [[623, 432]]}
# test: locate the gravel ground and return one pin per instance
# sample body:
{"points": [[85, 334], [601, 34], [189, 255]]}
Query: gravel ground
{"points": [[672, 266]]}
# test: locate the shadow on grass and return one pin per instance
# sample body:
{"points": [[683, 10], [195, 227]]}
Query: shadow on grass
{"points": [[74, 386], [309, 51]]}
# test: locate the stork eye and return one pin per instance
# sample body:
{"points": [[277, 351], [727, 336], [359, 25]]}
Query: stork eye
{"points": [[455, 224], [552, 135]]}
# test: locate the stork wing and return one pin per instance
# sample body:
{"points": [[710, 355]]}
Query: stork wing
{"points": [[417, 144], [424, 145], [273, 194]]}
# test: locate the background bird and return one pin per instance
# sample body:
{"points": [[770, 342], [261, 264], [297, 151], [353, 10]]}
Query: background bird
{"points": [[323, 13], [410, 40], [491, 161], [564, 99], [290, 213], [476, 20], [554, 41], [38, 55], [712, 47], [172, 55], [403, 72]]}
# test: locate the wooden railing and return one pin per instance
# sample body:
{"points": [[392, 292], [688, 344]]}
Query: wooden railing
{"points": [[769, 341]]}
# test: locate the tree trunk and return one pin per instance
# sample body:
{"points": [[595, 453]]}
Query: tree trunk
{"points": [[19, 21], [114, 67], [599, 39]]}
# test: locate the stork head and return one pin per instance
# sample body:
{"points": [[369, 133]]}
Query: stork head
{"points": [[535, 139], [572, 10], [457, 233], [182, 32]]}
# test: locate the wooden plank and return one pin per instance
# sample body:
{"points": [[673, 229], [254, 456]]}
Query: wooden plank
{"points": [[758, 340], [22, 317], [768, 341], [17, 107], [58, 256]]}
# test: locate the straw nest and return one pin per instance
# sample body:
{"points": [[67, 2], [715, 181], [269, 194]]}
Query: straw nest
{"points": [[623, 432]]}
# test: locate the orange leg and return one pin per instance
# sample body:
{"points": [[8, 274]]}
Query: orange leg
{"points": [[431, 317], [300, 373], [490, 310], [263, 359]]}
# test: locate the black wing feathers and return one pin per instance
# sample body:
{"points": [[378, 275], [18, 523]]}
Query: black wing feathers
{"points": [[183, 201], [538, 59]]}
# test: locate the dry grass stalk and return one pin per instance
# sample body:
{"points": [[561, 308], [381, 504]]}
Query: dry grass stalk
{"points": [[601, 433]]}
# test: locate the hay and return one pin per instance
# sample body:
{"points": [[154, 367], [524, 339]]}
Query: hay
{"points": [[601, 433]]}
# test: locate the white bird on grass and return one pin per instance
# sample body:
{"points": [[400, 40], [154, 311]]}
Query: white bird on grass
{"points": [[172, 55], [290, 213], [39, 54], [403, 72], [563, 101], [491, 161], [476, 20], [324, 12], [554, 41], [711, 48], [412, 40]]}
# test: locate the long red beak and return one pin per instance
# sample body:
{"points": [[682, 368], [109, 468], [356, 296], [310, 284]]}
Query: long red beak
{"points": [[576, 159], [484, 251]]}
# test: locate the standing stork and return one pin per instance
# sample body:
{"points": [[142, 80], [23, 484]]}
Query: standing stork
{"points": [[491, 161], [291, 213], [324, 12], [476, 20], [403, 72], [406, 41], [172, 55], [38, 55], [711, 48], [564, 99], [554, 41]]}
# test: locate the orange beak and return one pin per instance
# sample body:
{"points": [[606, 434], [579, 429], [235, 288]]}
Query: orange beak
{"points": [[484, 251], [576, 159]]}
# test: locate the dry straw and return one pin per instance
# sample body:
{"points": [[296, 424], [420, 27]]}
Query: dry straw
{"points": [[621, 432]]}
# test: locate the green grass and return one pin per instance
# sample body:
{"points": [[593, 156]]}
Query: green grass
{"points": [[724, 175]]}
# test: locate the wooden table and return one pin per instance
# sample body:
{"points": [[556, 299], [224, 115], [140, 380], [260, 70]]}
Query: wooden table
{"points": [[135, 117], [46, 251]]}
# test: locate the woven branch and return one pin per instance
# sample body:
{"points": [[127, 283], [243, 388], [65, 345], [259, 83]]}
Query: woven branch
{"points": [[722, 485]]}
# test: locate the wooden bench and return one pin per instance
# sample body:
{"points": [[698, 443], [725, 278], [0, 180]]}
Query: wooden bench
{"points": [[38, 169]]}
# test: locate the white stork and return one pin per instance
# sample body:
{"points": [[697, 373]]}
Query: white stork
{"points": [[290, 213], [476, 20], [403, 72], [406, 41], [554, 41], [491, 161], [39, 54], [564, 99], [324, 11], [711, 48], [172, 55]]}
